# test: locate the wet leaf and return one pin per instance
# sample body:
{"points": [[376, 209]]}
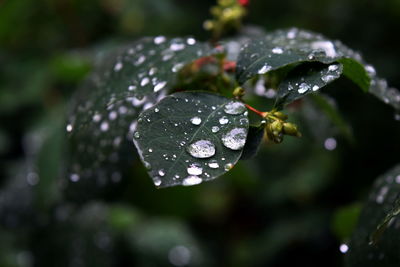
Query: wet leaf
{"points": [[105, 110], [376, 241], [306, 79], [191, 137], [254, 139]]}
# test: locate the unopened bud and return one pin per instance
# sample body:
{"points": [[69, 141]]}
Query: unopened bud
{"points": [[276, 126], [291, 129], [239, 92], [280, 115]]}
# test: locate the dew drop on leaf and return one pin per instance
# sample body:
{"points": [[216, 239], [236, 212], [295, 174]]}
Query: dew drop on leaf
{"points": [[157, 181], [161, 172], [195, 169], [191, 180], [264, 69], [234, 108], [235, 139], [223, 120], [201, 149], [195, 120], [228, 166], [215, 129], [213, 164], [303, 87]]}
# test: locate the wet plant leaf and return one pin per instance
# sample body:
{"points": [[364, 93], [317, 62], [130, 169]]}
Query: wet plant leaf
{"points": [[104, 112], [254, 139], [191, 137], [376, 241]]}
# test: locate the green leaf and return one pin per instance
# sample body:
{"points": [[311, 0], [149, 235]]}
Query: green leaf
{"points": [[378, 231], [254, 139], [284, 48], [306, 79], [104, 112], [191, 137]]}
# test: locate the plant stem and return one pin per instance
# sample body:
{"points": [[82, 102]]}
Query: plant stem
{"points": [[260, 113]]}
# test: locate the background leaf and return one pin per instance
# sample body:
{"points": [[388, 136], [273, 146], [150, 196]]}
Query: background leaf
{"points": [[191, 137]]}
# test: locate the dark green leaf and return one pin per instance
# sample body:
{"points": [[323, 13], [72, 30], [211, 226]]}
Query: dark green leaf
{"points": [[105, 110], [376, 241], [306, 79], [191, 137], [254, 139]]}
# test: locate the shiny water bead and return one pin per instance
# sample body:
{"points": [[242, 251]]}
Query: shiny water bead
{"points": [[201, 149], [234, 108], [235, 139], [191, 180]]}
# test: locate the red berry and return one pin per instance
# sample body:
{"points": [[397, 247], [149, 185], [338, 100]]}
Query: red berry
{"points": [[243, 2]]}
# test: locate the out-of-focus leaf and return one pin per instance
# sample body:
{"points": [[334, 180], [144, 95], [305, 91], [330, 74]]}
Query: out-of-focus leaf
{"points": [[345, 220], [191, 137], [376, 241]]}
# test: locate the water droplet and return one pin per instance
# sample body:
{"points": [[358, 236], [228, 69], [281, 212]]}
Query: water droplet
{"points": [[213, 164], [194, 169], [177, 46], [179, 256], [333, 67], [215, 129], [159, 39], [201, 149], [131, 87], [195, 120], [136, 135], [161, 172], [228, 166], [190, 41], [140, 60], [303, 87], [145, 81], [370, 69], [277, 50], [69, 128], [344, 248], [191, 180], [223, 120], [177, 67], [157, 181], [104, 126], [150, 150], [74, 177], [234, 108], [96, 117], [118, 66], [330, 144], [112, 115], [397, 179], [160, 86], [264, 69], [325, 46], [315, 88], [328, 78], [235, 138]]}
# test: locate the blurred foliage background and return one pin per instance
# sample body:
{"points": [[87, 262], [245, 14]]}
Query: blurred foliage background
{"points": [[295, 203]]}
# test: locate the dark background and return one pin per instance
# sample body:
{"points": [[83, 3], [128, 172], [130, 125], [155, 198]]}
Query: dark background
{"points": [[295, 203]]}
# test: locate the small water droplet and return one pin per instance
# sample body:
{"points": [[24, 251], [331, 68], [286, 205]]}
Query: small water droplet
{"points": [[156, 110], [191, 180], [145, 81], [74, 177], [161, 172], [118, 66], [333, 67], [277, 50], [150, 150], [159, 86], [215, 129], [190, 41], [69, 128], [228, 166], [159, 39], [303, 87], [223, 120], [235, 138], [194, 169], [140, 60], [344, 248], [315, 88], [104, 126], [213, 164], [157, 181], [328, 78], [177, 46], [330, 144], [177, 67], [234, 108], [195, 120], [136, 135], [201, 149], [264, 69]]}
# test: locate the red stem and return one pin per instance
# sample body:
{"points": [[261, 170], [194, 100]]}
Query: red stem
{"points": [[260, 113]]}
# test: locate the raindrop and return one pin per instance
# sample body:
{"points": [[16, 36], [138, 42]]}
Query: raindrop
{"points": [[215, 129], [328, 78], [131, 87], [195, 120], [190, 41], [234, 108], [370, 69], [96, 117], [69, 128], [325, 46], [74, 177], [161, 172], [330, 144], [177, 67], [157, 181], [194, 169], [177, 47], [113, 115], [333, 67], [344, 248], [136, 135], [104, 126], [150, 150], [277, 50], [235, 138], [140, 60], [159, 86], [159, 39], [315, 88], [228, 166], [264, 69], [144, 81], [156, 110], [223, 120], [201, 149], [303, 87], [213, 164], [191, 180], [118, 66]]}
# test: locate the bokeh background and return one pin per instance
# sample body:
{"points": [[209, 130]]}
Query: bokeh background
{"points": [[295, 203]]}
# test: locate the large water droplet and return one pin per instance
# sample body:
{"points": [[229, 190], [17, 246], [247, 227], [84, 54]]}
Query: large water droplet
{"points": [[191, 180], [195, 120], [235, 138], [234, 108], [195, 169], [213, 164], [201, 149], [157, 181]]}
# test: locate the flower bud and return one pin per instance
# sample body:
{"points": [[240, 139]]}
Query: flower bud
{"points": [[291, 129]]}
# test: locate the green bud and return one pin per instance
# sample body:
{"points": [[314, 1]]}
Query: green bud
{"points": [[239, 91], [277, 126], [280, 115], [291, 129]]}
